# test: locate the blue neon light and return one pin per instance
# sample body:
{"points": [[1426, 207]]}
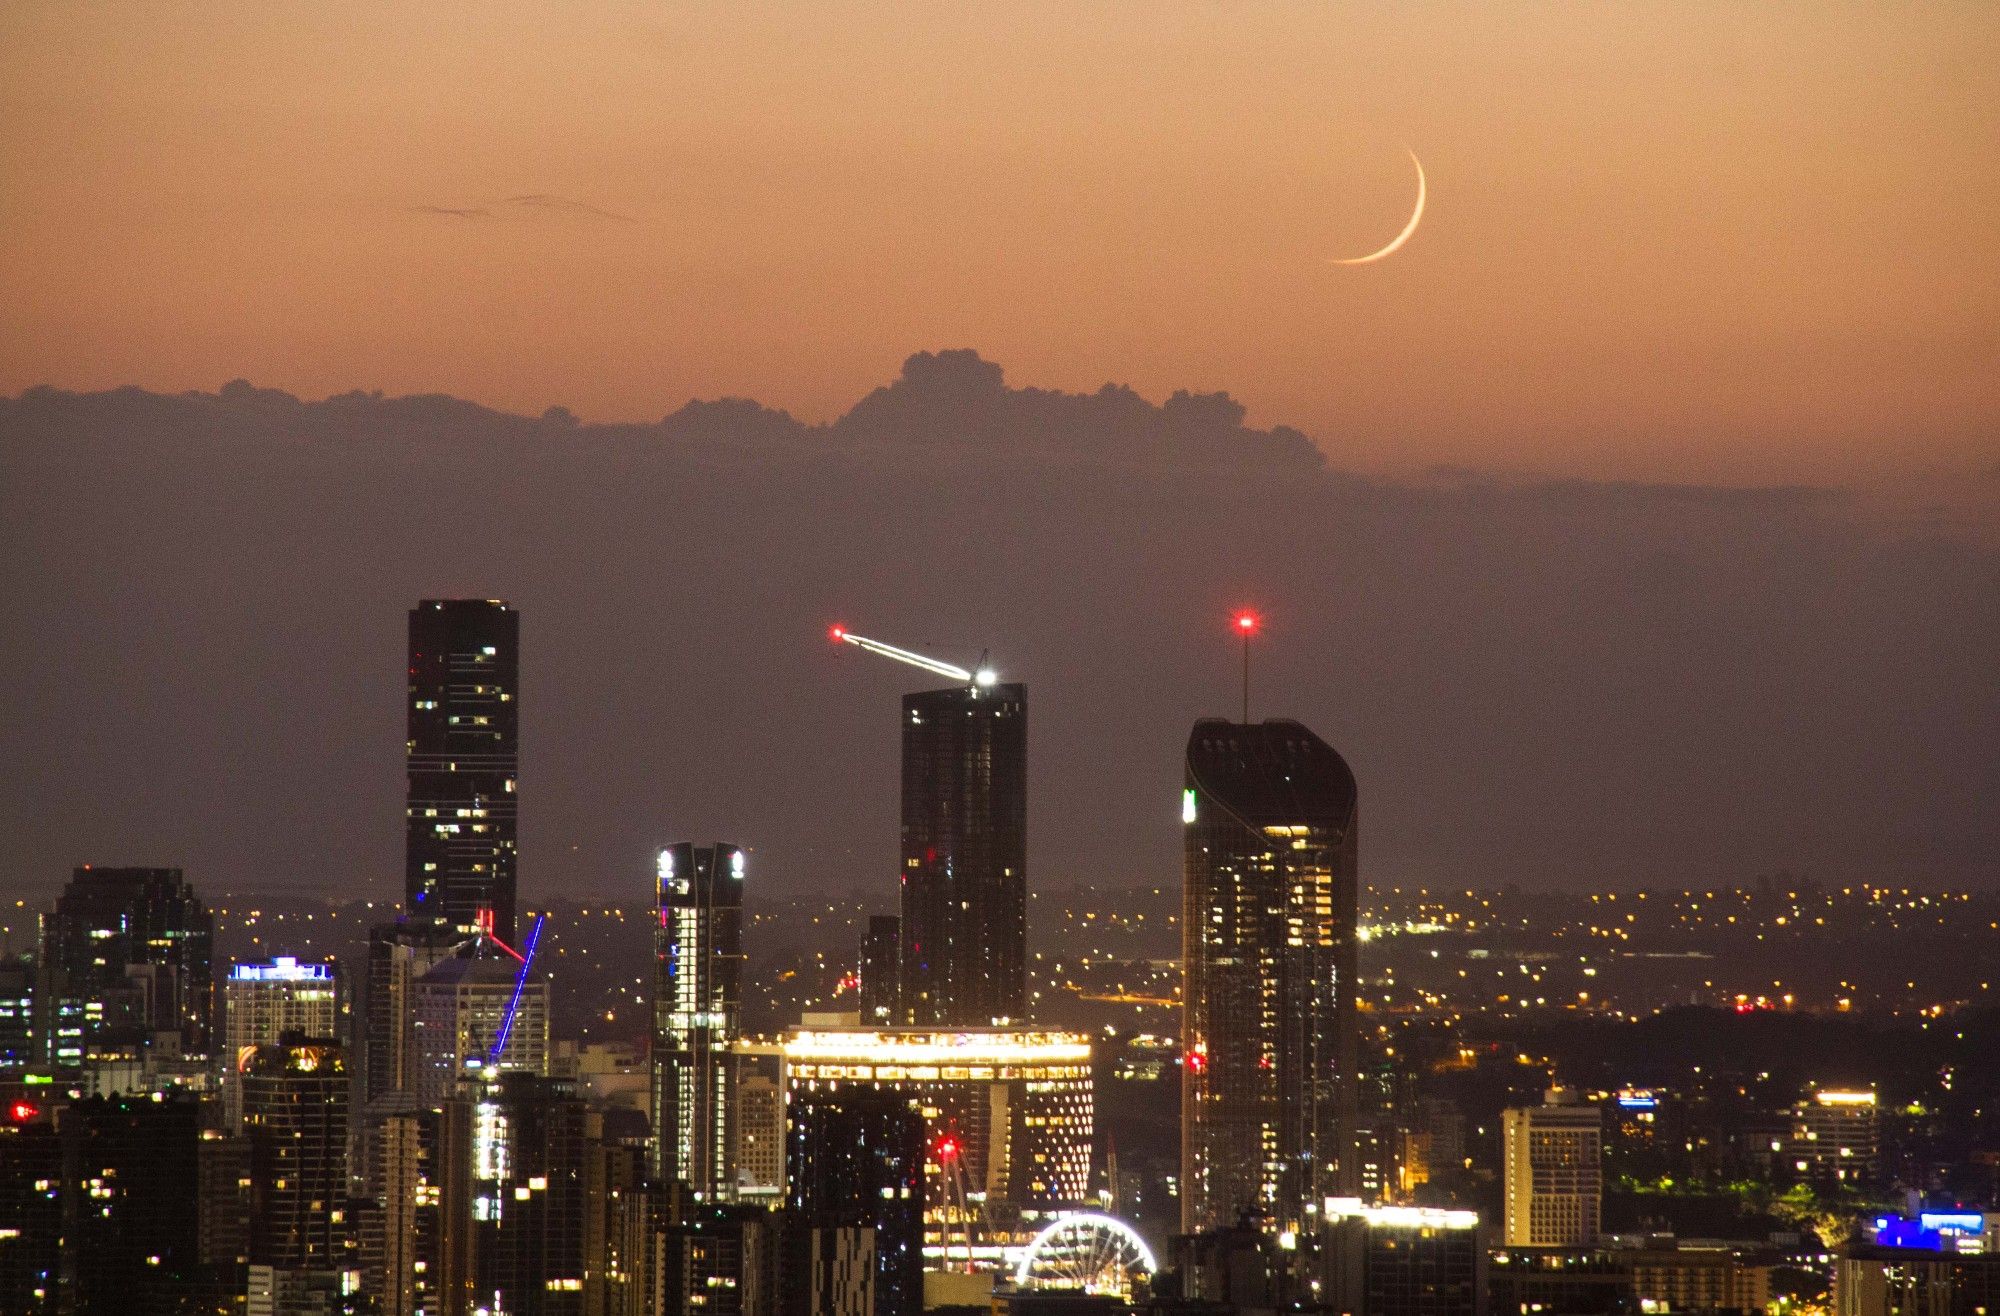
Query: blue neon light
{"points": [[520, 984]]}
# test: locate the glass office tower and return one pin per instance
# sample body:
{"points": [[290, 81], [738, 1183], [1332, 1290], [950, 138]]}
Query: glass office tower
{"points": [[1268, 943], [462, 755], [965, 856]]}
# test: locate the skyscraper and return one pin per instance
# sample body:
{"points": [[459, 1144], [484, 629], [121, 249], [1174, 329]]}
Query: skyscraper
{"points": [[1554, 1173], [294, 1095], [697, 1002], [1268, 944], [126, 965], [463, 753], [398, 955], [264, 1000], [473, 1014], [855, 1193], [965, 855]]}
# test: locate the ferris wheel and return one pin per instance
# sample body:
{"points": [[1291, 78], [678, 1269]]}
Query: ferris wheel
{"points": [[1088, 1252]]}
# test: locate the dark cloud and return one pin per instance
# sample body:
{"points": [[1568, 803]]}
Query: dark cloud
{"points": [[455, 212], [1555, 682], [563, 205]]}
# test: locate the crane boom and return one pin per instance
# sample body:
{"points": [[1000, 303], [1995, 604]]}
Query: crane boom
{"points": [[937, 667]]}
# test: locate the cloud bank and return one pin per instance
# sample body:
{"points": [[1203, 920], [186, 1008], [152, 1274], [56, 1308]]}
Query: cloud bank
{"points": [[1557, 684]]}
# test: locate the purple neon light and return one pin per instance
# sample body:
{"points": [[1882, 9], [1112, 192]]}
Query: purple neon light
{"points": [[520, 983]]}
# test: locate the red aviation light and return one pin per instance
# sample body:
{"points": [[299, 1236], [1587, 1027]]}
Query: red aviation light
{"points": [[1246, 622], [947, 1148], [23, 1111], [836, 632]]}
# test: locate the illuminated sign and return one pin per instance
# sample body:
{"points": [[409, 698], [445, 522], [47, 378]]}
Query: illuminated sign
{"points": [[1187, 805], [282, 969], [1637, 1099], [1826, 1098]]}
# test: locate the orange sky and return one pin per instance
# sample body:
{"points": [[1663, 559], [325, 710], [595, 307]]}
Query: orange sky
{"points": [[1730, 242]]}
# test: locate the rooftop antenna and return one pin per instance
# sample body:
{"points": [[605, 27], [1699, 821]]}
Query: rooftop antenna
{"points": [[1246, 626], [985, 676]]}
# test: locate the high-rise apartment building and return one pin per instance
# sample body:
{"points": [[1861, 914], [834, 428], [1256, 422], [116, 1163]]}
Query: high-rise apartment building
{"points": [[261, 1002], [1553, 1171], [295, 1095], [854, 1202], [126, 967], [398, 955], [1268, 943], [965, 855], [472, 1014], [882, 972], [760, 1135], [697, 1003], [463, 758], [1835, 1134]]}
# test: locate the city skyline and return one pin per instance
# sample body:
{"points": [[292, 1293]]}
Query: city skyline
{"points": [[449, 459]]}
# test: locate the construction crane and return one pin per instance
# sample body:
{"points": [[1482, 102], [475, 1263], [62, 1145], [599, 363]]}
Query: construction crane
{"points": [[984, 676]]}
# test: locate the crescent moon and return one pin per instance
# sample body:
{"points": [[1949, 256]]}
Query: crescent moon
{"points": [[1416, 217]]}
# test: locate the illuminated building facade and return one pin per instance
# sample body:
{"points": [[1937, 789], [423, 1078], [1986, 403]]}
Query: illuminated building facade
{"points": [[462, 759], [295, 1102], [1835, 1135], [531, 1195], [855, 1175], [473, 1014], [126, 967], [1008, 1118], [965, 855], [1268, 1085], [760, 1135], [264, 1000], [697, 1000], [1553, 1171]]}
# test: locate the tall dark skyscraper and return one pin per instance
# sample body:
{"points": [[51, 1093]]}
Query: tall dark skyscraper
{"points": [[463, 754], [294, 1095], [965, 855], [1268, 943], [697, 1012], [127, 963]]}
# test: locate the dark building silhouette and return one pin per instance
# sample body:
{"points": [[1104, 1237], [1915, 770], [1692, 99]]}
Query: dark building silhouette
{"points": [[965, 855], [697, 1010], [463, 754], [1268, 944], [295, 1095], [130, 1232], [127, 965], [882, 971], [854, 1174]]}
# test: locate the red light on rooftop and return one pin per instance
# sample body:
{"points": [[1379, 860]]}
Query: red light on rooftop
{"points": [[23, 1111], [1246, 622], [947, 1148]]}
